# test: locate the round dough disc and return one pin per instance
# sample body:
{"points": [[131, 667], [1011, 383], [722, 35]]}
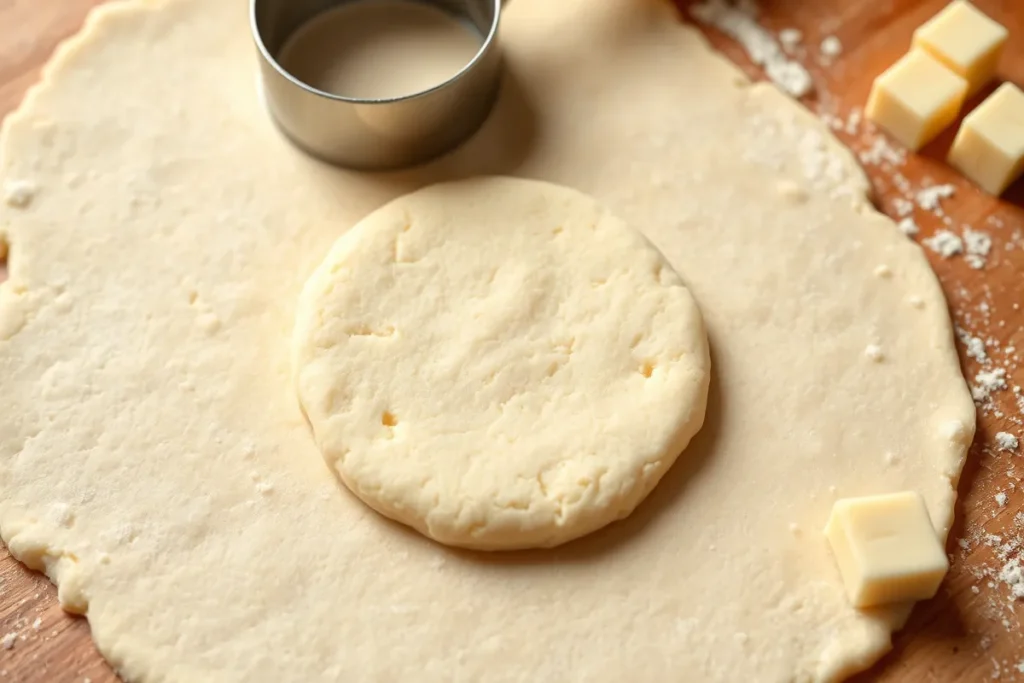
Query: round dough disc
{"points": [[500, 363]]}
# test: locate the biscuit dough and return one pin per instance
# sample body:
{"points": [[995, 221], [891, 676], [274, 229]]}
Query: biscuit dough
{"points": [[500, 363], [155, 462]]}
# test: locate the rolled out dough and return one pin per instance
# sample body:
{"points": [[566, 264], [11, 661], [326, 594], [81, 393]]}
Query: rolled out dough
{"points": [[500, 363], [155, 462]]}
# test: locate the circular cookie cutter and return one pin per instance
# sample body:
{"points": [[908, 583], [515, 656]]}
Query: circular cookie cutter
{"points": [[377, 134]]}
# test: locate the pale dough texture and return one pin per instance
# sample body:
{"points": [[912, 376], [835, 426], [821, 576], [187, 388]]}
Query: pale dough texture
{"points": [[500, 363], [155, 462]]}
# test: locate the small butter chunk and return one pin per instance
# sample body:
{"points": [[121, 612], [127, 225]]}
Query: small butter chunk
{"points": [[916, 98], [886, 549], [989, 147], [966, 41]]}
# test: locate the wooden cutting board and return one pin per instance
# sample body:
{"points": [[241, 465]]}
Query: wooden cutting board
{"points": [[972, 630]]}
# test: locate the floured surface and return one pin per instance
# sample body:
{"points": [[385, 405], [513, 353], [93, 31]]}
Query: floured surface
{"points": [[128, 343], [499, 363]]}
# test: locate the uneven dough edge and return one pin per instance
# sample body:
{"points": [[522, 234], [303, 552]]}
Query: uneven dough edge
{"points": [[863, 202], [835, 663], [37, 544]]}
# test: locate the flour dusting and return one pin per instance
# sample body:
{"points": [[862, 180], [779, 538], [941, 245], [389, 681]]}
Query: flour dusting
{"points": [[930, 198], [987, 382], [830, 48], [945, 243], [1007, 441], [929, 211], [739, 21], [790, 39], [978, 244]]}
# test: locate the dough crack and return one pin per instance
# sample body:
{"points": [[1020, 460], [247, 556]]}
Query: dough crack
{"points": [[5, 249], [364, 330]]}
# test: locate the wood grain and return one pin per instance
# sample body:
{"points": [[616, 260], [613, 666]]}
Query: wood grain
{"points": [[970, 631]]}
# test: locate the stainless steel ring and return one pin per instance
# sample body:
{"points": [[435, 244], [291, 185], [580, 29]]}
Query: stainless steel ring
{"points": [[383, 133]]}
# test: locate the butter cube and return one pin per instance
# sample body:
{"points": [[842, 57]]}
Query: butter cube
{"points": [[965, 40], [916, 98], [989, 148], [886, 549]]}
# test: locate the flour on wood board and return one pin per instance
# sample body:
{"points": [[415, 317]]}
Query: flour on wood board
{"points": [[925, 210], [739, 21]]}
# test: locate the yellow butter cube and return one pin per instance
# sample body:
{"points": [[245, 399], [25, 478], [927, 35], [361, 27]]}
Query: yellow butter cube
{"points": [[965, 40], [916, 98], [886, 549], [989, 148]]}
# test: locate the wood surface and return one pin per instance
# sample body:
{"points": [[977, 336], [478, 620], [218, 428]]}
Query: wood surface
{"points": [[971, 631]]}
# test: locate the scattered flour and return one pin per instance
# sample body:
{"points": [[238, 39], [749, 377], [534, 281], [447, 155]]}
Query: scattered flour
{"points": [[1007, 441], [882, 152], [790, 38], [978, 244], [1007, 550], [908, 226], [987, 382], [930, 198], [975, 346], [945, 243], [831, 48], [903, 207], [739, 21], [990, 333], [821, 166], [1012, 574], [975, 244], [8, 640], [853, 122], [833, 122]]}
